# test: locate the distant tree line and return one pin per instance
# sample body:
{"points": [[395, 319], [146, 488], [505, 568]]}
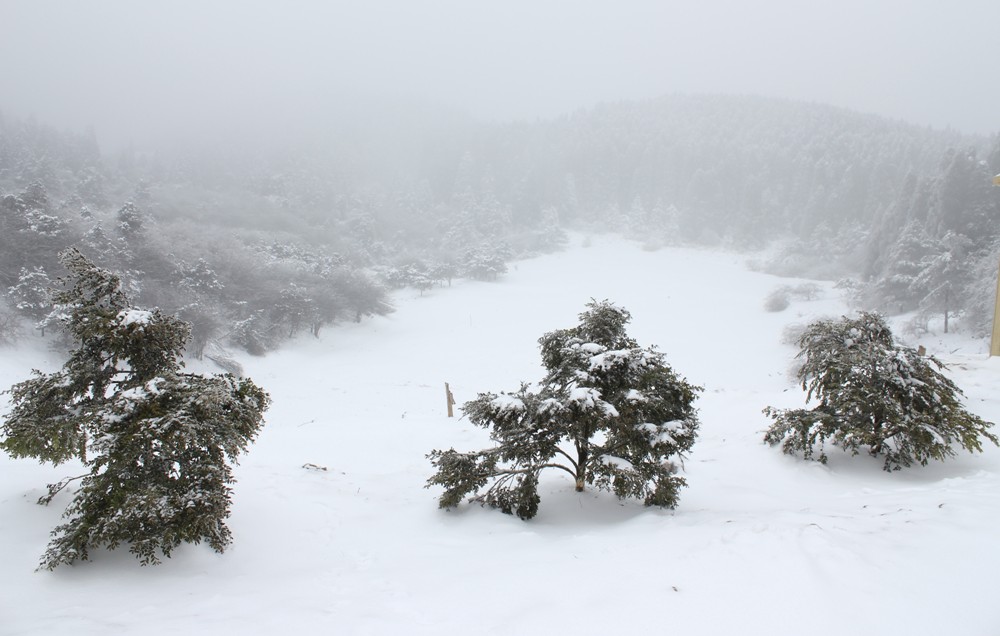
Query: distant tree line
{"points": [[251, 294], [253, 244], [935, 249]]}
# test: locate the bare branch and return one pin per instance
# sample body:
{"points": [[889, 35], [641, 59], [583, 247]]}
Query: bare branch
{"points": [[510, 472], [56, 488]]}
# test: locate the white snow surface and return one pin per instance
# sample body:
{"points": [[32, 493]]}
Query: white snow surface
{"points": [[334, 532]]}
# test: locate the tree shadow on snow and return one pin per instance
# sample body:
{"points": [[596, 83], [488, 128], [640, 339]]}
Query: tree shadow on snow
{"points": [[563, 508], [863, 467]]}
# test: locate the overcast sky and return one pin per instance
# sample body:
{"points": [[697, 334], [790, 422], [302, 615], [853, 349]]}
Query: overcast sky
{"points": [[137, 69]]}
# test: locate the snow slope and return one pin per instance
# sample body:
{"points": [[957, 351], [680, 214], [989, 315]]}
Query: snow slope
{"points": [[761, 543]]}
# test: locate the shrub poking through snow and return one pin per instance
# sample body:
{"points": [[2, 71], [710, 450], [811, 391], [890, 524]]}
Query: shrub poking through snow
{"points": [[777, 300], [156, 443], [874, 396], [608, 413]]}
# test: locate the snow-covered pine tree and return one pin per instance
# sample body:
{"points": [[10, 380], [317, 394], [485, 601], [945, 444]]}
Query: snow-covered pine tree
{"points": [[874, 395], [895, 289], [131, 221], [30, 296], [198, 302], [156, 443], [943, 276], [487, 261], [609, 413]]}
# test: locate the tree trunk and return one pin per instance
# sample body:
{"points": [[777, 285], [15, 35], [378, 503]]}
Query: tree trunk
{"points": [[581, 467], [947, 301]]}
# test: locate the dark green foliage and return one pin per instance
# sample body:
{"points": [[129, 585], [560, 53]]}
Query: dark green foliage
{"points": [[47, 419], [876, 396], [157, 444], [160, 474], [608, 412]]}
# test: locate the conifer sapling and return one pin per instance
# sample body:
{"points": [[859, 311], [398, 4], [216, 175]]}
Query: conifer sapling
{"points": [[156, 443], [874, 395], [608, 413]]}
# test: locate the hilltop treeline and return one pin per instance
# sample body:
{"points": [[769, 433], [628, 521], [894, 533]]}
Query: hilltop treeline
{"points": [[254, 240]]}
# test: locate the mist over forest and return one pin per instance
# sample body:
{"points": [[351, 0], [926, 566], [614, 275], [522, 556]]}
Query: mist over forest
{"points": [[255, 240], [264, 170]]}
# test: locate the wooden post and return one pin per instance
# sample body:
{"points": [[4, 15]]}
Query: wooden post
{"points": [[995, 340], [451, 400]]}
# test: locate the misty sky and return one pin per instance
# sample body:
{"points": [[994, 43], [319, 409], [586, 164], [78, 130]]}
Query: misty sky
{"points": [[137, 71]]}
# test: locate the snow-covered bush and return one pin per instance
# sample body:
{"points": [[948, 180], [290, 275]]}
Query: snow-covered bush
{"points": [[156, 443], [608, 413], [806, 291], [777, 300], [781, 298], [876, 396]]}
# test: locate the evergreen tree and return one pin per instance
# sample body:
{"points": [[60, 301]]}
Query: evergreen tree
{"points": [[30, 233], [198, 292], [103, 248], [131, 222], [896, 289], [966, 203], [980, 291], [30, 296], [609, 413], [874, 395], [157, 443], [944, 276], [486, 262], [362, 295]]}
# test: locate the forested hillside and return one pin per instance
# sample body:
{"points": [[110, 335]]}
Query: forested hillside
{"points": [[256, 240]]}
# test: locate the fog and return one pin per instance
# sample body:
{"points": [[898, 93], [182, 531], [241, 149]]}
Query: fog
{"points": [[143, 72], [267, 168]]}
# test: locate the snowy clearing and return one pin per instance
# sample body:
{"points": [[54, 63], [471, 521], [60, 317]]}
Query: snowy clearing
{"points": [[334, 532]]}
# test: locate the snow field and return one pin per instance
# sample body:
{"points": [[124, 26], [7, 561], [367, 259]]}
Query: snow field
{"points": [[761, 543]]}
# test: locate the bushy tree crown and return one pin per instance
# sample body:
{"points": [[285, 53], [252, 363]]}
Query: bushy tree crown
{"points": [[874, 395], [156, 442], [608, 412]]}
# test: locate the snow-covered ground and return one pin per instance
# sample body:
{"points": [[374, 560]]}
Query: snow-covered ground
{"points": [[761, 543]]}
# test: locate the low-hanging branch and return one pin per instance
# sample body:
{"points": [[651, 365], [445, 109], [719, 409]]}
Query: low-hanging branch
{"points": [[56, 488]]}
